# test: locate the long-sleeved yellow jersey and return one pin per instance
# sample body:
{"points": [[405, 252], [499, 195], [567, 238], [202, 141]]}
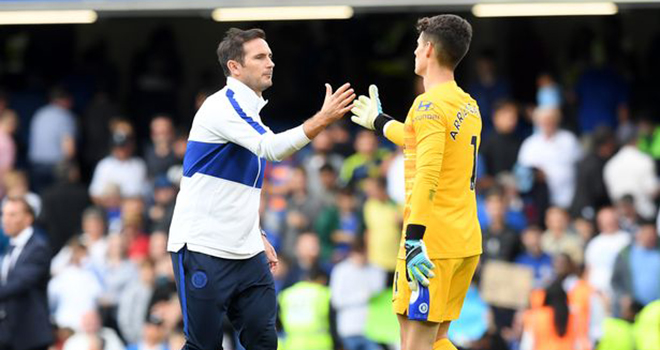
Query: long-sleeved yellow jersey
{"points": [[441, 137]]}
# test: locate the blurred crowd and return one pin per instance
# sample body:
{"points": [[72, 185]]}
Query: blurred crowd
{"points": [[567, 188]]}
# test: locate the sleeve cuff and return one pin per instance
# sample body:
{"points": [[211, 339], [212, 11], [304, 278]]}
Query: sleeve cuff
{"points": [[380, 122], [415, 232]]}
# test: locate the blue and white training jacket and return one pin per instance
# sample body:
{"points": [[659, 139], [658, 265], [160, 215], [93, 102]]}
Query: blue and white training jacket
{"points": [[217, 208]]}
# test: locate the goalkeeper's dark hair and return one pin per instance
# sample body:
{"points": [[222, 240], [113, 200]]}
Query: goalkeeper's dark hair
{"points": [[451, 36], [231, 47]]}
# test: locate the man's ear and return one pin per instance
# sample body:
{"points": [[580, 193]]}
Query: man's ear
{"points": [[428, 50], [234, 67]]}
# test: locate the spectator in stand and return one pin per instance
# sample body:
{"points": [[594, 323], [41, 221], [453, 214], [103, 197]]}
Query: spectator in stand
{"points": [[628, 218], [602, 95], [535, 258], [328, 183], [637, 267], [558, 238], [630, 171], [352, 284], [553, 151], [62, 204], [601, 252], [302, 207], [96, 121], [365, 162], [17, 186], [590, 191], [120, 167], [92, 237], [396, 181], [489, 88], [68, 299], [159, 155], [382, 220], [133, 307], [320, 156], [500, 148], [339, 226], [308, 252], [8, 150], [52, 137], [548, 325], [153, 336], [115, 275], [92, 335], [500, 241], [160, 213]]}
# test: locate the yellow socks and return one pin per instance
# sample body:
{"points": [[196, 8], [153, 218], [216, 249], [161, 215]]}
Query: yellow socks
{"points": [[443, 344]]}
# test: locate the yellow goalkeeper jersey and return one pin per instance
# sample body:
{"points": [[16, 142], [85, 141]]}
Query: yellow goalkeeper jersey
{"points": [[441, 137]]}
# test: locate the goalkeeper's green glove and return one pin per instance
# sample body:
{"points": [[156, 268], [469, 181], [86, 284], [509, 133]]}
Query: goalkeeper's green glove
{"points": [[368, 111], [418, 265]]}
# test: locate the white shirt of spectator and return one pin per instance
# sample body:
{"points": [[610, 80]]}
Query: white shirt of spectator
{"points": [[396, 180], [50, 125], [68, 300], [130, 175], [351, 287], [217, 208], [556, 157], [19, 243], [599, 258], [630, 171]]}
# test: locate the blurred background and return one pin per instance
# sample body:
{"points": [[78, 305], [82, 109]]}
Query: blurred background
{"points": [[96, 104]]}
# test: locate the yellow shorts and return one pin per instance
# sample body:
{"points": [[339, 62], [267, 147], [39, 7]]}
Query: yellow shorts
{"points": [[447, 289]]}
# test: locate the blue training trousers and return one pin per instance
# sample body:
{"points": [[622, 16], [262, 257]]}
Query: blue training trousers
{"points": [[209, 287]]}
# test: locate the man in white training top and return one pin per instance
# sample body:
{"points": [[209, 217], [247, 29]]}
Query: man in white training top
{"points": [[221, 259]]}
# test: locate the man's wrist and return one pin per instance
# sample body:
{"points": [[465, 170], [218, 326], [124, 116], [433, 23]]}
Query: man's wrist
{"points": [[380, 122], [415, 232]]}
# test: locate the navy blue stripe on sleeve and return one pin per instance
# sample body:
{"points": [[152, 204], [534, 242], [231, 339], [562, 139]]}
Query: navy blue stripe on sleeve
{"points": [[256, 126]]}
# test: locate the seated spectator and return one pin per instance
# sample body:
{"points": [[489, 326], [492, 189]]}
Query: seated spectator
{"points": [[555, 152], [630, 171], [93, 238], [159, 154], [134, 301], [92, 335], [339, 226], [637, 267], [558, 238], [153, 336], [307, 257], [500, 148], [68, 300], [17, 185], [121, 167], [500, 241], [62, 204], [383, 220], [352, 283], [601, 252], [365, 162], [591, 192], [320, 156], [301, 209], [534, 257], [161, 212]]}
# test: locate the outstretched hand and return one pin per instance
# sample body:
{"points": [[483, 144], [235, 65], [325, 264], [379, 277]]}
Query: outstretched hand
{"points": [[336, 104]]}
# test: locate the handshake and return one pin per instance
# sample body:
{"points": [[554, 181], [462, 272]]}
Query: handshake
{"points": [[368, 112]]}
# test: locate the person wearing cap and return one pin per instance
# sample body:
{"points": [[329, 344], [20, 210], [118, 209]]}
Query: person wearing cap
{"points": [[121, 167]]}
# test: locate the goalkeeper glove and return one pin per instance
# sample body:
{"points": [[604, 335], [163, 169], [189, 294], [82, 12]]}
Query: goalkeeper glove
{"points": [[368, 111], [418, 265]]}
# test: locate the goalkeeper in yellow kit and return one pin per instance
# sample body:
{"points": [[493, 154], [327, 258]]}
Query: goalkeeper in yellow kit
{"points": [[441, 135]]}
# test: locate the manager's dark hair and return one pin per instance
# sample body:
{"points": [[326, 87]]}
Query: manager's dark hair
{"points": [[450, 34], [231, 47]]}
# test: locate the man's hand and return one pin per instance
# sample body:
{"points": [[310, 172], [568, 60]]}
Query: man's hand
{"points": [[418, 264], [366, 109], [271, 255], [335, 105]]}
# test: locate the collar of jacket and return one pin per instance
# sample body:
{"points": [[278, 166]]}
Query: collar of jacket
{"points": [[247, 97]]}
